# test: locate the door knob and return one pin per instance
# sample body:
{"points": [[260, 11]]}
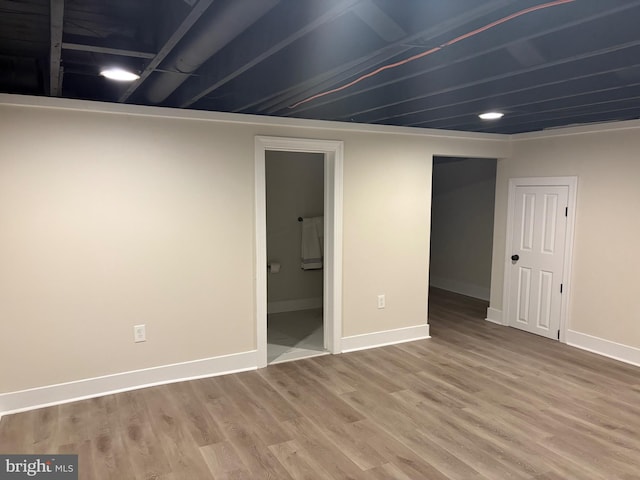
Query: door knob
{"points": [[515, 258]]}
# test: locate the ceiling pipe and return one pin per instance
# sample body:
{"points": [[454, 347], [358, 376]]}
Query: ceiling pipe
{"points": [[226, 20]]}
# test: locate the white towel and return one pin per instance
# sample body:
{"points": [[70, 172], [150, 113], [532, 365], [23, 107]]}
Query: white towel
{"points": [[312, 243]]}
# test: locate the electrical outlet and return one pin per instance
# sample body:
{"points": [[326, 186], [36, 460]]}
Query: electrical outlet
{"points": [[139, 333], [381, 301]]}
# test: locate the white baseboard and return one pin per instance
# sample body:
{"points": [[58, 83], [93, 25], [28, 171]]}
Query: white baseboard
{"points": [[463, 288], [294, 305], [14, 402], [494, 316], [607, 348], [387, 337]]}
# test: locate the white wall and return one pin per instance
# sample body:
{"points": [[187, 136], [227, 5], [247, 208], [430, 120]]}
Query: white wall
{"points": [[604, 288], [295, 188], [116, 215], [462, 225], [110, 221]]}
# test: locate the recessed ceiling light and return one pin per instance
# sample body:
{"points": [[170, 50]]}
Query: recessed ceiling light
{"points": [[491, 115], [119, 74]]}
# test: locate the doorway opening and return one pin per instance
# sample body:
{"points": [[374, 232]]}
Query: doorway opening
{"points": [[295, 254], [295, 318], [461, 244]]}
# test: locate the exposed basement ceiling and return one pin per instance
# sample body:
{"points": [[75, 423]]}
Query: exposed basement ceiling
{"points": [[422, 63]]}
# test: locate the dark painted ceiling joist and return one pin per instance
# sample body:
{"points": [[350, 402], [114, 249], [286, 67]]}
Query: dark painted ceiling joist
{"points": [[379, 21], [251, 52], [555, 91], [55, 52], [560, 98], [106, 50], [361, 112], [565, 89], [545, 63], [539, 122], [283, 99], [183, 28], [414, 111], [574, 67]]}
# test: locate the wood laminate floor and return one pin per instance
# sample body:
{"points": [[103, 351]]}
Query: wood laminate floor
{"points": [[477, 401]]}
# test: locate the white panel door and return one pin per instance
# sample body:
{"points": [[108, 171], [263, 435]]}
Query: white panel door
{"points": [[537, 258]]}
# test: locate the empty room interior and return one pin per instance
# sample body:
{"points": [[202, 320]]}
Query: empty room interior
{"points": [[362, 239]]}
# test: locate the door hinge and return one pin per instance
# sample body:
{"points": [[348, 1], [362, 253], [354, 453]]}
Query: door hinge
{"points": [[560, 288], [558, 334], [566, 211]]}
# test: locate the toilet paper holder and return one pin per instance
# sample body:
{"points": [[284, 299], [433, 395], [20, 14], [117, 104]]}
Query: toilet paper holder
{"points": [[273, 267]]}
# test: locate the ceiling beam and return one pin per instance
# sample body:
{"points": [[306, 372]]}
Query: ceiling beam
{"points": [[570, 63], [594, 115], [396, 111], [284, 98], [253, 50], [55, 47], [192, 17], [578, 96], [554, 90], [109, 51], [381, 23], [354, 112]]}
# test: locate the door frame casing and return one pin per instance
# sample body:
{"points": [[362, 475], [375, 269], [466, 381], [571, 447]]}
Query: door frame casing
{"points": [[572, 184], [333, 152]]}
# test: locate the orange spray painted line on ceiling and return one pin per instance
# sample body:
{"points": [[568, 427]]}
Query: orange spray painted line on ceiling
{"points": [[489, 26]]}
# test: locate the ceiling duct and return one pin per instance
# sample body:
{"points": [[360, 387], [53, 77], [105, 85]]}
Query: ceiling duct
{"points": [[226, 20]]}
